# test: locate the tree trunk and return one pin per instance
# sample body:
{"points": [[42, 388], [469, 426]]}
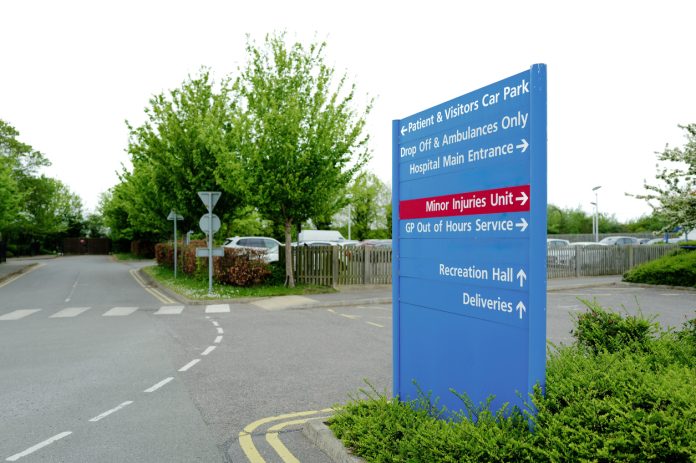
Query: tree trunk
{"points": [[289, 278]]}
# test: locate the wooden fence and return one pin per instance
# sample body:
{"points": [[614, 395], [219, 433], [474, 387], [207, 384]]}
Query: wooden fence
{"points": [[336, 265], [595, 261]]}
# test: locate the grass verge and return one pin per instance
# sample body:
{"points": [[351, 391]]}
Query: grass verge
{"points": [[197, 288]]}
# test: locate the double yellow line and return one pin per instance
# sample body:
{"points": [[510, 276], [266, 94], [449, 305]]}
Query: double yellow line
{"points": [[288, 419], [158, 295]]}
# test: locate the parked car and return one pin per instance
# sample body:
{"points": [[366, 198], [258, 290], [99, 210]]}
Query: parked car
{"points": [[620, 241], [558, 252], [587, 244], [553, 243], [376, 243], [268, 247]]}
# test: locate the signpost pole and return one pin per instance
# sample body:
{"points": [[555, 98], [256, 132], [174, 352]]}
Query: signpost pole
{"points": [[210, 243], [175, 249], [174, 217]]}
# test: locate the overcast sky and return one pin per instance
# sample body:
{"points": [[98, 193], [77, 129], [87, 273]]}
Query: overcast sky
{"points": [[620, 74]]}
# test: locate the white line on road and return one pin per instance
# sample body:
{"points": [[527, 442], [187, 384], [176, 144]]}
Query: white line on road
{"points": [[41, 445], [17, 314], [69, 312], [352, 317], [214, 322], [218, 339], [217, 308], [189, 365], [109, 412], [220, 330], [170, 310], [208, 350], [375, 324], [120, 311], [72, 290], [159, 385]]}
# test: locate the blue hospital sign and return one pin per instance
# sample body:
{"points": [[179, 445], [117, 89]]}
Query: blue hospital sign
{"points": [[469, 237]]}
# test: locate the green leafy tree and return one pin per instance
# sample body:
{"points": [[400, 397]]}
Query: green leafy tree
{"points": [[674, 197], [174, 154], [19, 164], [296, 136], [369, 196]]}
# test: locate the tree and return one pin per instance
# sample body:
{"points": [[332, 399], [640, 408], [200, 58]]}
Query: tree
{"points": [[174, 156], [19, 163], [297, 138], [675, 197], [369, 196]]}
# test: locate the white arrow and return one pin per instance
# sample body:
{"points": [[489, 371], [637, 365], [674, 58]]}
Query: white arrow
{"points": [[523, 146], [521, 276], [403, 130], [522, 198], [522, 225], [521, 309]]}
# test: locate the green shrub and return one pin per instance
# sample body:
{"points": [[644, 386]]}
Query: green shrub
{"points": [[617, 404], [598, 329], [677, 269]]}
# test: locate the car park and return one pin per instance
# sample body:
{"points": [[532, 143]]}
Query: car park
{"points": [[267, 247]]}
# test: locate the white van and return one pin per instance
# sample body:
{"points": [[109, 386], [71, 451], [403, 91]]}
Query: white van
{"points": [[320, 235]]}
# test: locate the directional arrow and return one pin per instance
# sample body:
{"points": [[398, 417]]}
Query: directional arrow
{"points": [[523, 146], [403, 130], [522, 224], [523, 199], [521, 275], [521, 309]]}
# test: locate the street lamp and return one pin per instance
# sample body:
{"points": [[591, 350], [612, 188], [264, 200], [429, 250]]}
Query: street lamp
{"points": [[596, 220]]}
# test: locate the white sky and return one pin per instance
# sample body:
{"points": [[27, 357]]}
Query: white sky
{"points": [[621, 75]]}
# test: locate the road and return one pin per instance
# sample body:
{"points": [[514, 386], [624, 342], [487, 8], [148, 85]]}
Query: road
{"points": [[97, 367]]}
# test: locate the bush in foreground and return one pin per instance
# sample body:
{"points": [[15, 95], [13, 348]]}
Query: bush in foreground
{"points": [[603, 403]]}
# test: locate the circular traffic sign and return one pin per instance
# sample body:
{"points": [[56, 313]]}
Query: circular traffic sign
{"points": [[205, 223]]}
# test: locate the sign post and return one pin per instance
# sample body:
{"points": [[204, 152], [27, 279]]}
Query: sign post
{"points": [[210, 224], [174, 217], [469, 234]]}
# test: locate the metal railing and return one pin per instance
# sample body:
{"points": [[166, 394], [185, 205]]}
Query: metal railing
{"points": [[336, 265]]}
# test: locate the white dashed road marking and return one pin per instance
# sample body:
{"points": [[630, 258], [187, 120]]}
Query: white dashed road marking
{"points": [[70, 312], [170, 310], [38, 446], [17, 314], [189, 365], [109, 412], [159, 385], [208, 350], [217, 308], [120, 311]]}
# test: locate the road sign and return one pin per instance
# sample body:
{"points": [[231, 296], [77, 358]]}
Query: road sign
{"points": [[174, 216], [209, 222], [205, 252], [469, 233], [209, 198]]}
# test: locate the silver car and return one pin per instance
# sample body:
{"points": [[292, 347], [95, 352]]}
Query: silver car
{"points": [[267, 246]]}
